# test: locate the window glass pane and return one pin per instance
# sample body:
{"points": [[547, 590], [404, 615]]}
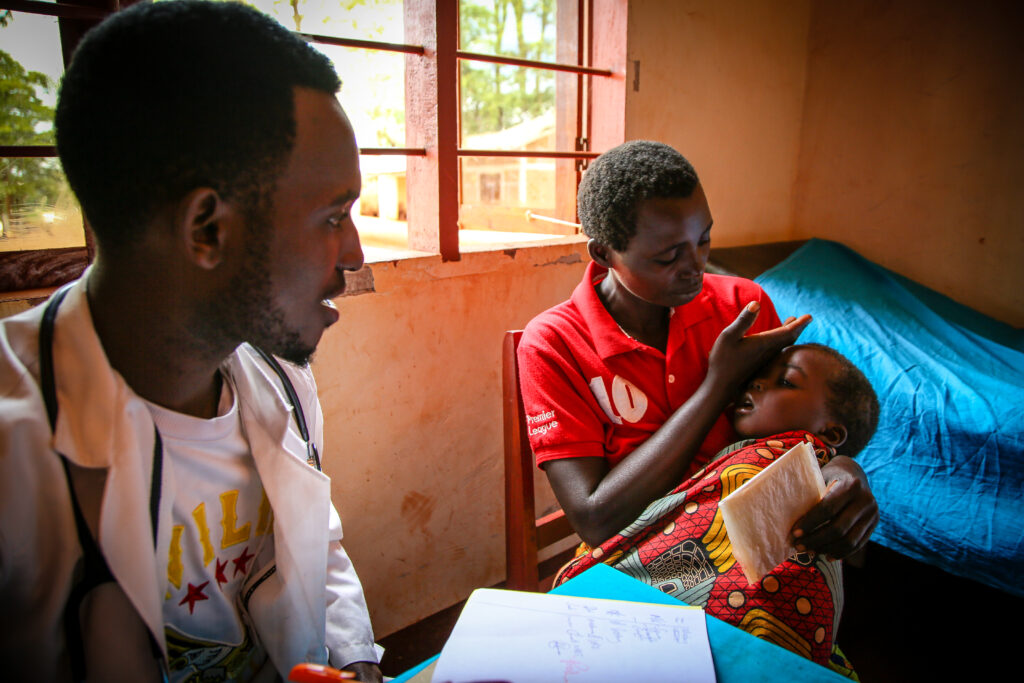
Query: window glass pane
{"points": [[510, 108], [499, 97], [496, 97], [380, 211], [30, 69], [514, 194], [379, 20], [37, 208], [372, 93], [514, 28]]}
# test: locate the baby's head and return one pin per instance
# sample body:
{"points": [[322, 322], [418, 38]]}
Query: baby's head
{"points": [[814, 388]]}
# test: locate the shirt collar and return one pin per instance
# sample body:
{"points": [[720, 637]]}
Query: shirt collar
{"points": [[609, 339]]}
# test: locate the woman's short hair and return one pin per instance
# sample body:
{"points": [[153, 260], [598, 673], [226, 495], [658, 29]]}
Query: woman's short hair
{"points": [[616, 182]]}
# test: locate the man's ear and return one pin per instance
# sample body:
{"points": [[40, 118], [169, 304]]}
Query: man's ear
{"points": [[204, 225], [600, 253], [834, 435]]}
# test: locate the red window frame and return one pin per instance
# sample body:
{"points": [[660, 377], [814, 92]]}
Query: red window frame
{"points": [[432, 115]]}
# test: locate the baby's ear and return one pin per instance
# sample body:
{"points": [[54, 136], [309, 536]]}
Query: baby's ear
{"points": [[834, 435]]}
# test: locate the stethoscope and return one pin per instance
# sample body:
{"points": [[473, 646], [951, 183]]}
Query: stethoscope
{"points": [[95, 570]]}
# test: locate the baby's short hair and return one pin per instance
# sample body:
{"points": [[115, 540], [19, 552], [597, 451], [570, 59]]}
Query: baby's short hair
{"points": [[851, 401], [617, 181]]}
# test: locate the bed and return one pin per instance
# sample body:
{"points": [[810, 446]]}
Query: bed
{"points": [[947, 462]]}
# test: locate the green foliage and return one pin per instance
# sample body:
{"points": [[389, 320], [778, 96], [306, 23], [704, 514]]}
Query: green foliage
{"points": [[498, 96], [25, 120]]}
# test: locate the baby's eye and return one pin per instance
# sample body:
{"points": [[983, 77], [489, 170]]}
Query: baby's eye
{"points": [[785, 383]]}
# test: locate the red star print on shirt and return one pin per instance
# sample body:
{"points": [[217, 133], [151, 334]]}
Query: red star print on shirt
{"points": [[219, 575], [195, 594], [242, 561]]}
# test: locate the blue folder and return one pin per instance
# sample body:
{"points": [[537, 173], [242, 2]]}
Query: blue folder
{"points": [[739, 657]]}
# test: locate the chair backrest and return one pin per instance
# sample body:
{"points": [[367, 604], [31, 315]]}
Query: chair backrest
{"points": [[526, 535]]}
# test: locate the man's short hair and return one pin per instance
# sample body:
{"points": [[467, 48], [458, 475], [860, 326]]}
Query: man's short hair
{"points": [[852, 401], [617, 181], [162, 98]]}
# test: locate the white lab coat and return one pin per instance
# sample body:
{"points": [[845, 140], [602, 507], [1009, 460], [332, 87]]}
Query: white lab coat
{"points": [[311, 606]]}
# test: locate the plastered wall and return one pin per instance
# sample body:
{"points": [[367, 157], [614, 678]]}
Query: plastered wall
{"points": [[912, 145], [894, 127], [410, 384], [723, 83]]}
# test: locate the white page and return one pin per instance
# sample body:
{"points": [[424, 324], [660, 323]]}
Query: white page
{"points": [[534, 637], [759, 514]]}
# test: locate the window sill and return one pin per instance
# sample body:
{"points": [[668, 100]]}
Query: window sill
{"points": [[385, 240]]}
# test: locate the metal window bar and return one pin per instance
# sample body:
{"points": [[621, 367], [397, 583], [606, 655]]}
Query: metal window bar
{"points": [[584, 18], [531, 216], [523, 153], [27, 151], [55, 9], [532, 63], [362, 44], [42, 151]]}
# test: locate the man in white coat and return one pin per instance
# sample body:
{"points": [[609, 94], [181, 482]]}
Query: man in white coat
{"points": [[162, 510]]}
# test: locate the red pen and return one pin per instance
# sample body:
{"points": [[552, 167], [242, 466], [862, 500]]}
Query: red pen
{"points": [[318, 673]]}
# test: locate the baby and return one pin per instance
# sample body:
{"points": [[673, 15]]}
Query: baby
{"points": [[813, 388]]}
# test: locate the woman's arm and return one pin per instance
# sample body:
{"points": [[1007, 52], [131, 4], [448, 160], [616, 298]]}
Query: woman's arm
{"points": [[600, 502]]}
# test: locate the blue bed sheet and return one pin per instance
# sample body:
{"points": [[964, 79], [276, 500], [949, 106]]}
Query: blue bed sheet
{"points": [[947, 461]]}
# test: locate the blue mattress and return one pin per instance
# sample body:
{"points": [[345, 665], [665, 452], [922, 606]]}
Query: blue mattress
{"points": [[947, 462]]}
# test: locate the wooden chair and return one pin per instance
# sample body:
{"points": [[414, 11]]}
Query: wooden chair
{"points": [[526, 535]]}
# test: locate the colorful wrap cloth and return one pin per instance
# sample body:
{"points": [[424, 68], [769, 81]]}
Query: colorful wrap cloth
{"points": [[679, 545]]}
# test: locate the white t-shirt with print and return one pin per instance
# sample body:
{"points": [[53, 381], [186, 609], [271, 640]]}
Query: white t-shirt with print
{"points": [[221, 534]]}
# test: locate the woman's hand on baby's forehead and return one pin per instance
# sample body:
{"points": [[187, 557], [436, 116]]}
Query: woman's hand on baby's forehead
{"points": [[736, 355]]}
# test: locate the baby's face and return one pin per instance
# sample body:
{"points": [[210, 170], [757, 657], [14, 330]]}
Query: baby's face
{"points": [[789, 394]]}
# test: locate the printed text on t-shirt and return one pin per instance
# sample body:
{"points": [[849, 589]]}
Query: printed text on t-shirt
{"points": [[547, 418], [630, 402]]}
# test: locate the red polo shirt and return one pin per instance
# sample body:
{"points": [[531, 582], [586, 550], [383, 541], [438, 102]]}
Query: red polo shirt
{"points": [[592, 391]]}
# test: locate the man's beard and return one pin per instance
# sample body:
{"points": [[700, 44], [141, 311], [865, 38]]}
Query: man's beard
{"points": [[247, 311], [257, 312]]}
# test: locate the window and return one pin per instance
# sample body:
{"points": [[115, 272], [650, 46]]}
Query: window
{"points": [[473, 117], [512, 102], [42, 238], [545, 121]]}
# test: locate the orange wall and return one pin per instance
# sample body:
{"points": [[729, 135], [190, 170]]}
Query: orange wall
{"points": [[723, 83], [410, 384], [912, 148], [894, 127]]}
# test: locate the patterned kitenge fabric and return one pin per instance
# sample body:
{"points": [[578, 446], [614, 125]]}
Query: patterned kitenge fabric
{"points": [[679, 545]]}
